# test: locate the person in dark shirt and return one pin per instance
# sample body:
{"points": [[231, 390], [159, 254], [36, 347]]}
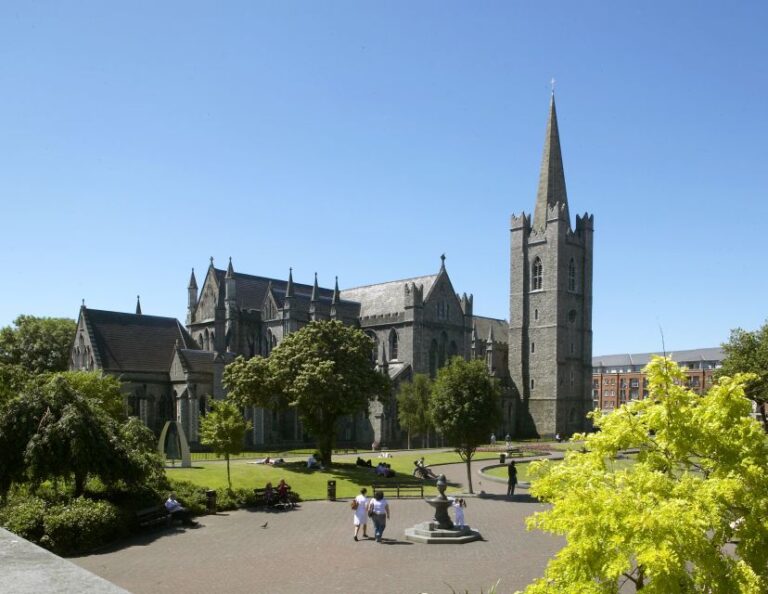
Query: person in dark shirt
{"points": [[512, 478]]}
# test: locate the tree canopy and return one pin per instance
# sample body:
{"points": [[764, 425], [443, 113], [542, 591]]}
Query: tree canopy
{"points": [[37, 345], [413, 406], [747, 352], [465, 406], [699, 481], [323, 371], [52, 431], [224, 428]]}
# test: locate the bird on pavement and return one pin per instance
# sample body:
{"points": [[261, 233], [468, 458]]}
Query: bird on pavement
{"points": [[264, 525]]}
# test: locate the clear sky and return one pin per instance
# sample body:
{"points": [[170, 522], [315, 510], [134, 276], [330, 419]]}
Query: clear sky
{"points": [[364, 139]]}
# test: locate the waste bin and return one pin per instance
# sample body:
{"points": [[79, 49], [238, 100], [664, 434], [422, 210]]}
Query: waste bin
{"points": [[210, 497], [502, 458], [331, 490]]}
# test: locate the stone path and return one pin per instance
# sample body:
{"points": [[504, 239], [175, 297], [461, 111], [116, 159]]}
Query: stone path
{"points": [[311, 550]]}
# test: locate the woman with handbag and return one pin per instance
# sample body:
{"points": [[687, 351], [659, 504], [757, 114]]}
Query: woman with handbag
{"points": [[359, 505], [378, 511]]}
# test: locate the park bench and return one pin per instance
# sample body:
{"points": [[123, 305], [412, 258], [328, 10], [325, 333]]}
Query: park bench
{"points": [[261, 499], [153, 516], [397, 490]]}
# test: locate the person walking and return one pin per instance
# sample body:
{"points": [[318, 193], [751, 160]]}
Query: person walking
{"points": [[360, 505], [512, 478], [378, 510]]}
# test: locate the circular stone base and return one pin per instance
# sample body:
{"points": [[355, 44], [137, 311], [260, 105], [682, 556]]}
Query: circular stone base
{"points": [[429, 533]]}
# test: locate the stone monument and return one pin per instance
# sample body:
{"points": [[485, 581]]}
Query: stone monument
{"points": [[440, 530]]}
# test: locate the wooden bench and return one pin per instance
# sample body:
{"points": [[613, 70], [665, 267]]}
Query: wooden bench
{"points": [[261, 499], [153, 516], [408, 490]]}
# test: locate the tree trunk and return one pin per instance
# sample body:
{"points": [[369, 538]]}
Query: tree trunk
{"points": [[79, 483], [229, 479], [469, 473], [763, 408], [409, 438]]}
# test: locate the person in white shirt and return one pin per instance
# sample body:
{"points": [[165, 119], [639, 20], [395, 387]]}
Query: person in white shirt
{"points": [[177, 511], [378, 509], [361, 513]]}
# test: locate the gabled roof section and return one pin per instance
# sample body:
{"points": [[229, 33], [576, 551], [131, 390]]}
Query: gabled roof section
{"points": [[386, 298], [129, 342], [484, 326], [251, 290], [552, 175]]}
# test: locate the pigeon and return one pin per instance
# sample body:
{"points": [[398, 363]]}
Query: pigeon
{"points": [[264, 525]]}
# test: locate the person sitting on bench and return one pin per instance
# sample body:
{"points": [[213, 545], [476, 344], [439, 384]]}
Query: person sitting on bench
{"points": [[178, 512]]}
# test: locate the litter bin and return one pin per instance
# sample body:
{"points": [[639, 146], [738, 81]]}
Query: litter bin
{"points": [[502, 458], [210, 497], [331, 490]]}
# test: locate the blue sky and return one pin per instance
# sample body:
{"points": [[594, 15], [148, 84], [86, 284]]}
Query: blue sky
{"points": [[364, 139]]}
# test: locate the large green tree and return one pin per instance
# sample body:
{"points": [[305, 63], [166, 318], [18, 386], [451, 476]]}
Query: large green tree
{"points": [[224, 428], [747, 352], [662, 521], [413, 407], [51, 431], [323, 371], [465, 407], [37, 345]]}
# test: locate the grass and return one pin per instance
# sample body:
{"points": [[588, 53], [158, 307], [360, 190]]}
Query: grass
{"points": [[522, 468], [312, 484]]}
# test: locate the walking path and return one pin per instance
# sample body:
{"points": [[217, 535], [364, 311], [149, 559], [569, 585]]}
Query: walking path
{"points": [[311, 550]]}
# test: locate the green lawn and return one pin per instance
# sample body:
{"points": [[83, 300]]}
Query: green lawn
{"points": [[312, 484]]}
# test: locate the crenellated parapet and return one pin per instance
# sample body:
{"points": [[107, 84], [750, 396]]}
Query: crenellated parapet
{"points": [[381, 319], [586, 222], [414, 295], [520, 222]]}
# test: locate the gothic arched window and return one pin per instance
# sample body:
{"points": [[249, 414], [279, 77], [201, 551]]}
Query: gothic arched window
{"points": [[537, 274], [375, 349], [392, 344], [572, 275]]}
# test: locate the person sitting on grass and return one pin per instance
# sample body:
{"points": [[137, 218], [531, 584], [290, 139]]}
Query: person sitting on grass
{"points": [[178, 512], [313, 462]]}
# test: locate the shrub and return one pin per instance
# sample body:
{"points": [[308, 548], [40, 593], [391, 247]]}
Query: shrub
{"points": [[82, 525], [190, 496], [24, 517]]}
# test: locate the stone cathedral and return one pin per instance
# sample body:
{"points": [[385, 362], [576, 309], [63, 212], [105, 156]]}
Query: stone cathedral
{"points": [[542, 356]]}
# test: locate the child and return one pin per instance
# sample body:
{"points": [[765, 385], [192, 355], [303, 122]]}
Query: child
{"points": [[458, 506]]}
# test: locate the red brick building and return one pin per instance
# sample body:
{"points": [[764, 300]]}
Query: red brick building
{"points": [[617, 379]]}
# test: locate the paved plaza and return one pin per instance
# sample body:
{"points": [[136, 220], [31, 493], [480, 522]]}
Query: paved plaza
{"points": [[311, 550]]}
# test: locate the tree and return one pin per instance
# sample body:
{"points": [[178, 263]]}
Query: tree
{"points": [[51, 431], [36, 344], [465, 406], [323, 371], [413, 406], [747, 352], [103, 390], [662, 522], [13, 378], [224, 428]]}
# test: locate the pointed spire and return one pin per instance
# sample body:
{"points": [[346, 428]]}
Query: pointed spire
{"points": [[552, 176], [336, 294], [230, 270], [315, 290], [138, 305], [490, 335], [192, 281], [289, 286]]}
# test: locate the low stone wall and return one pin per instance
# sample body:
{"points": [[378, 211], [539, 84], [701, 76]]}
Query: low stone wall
{"points": [[28, 568]]}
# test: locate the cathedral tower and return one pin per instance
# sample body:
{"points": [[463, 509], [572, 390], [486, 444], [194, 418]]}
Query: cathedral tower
{"points": [[550, 305]]}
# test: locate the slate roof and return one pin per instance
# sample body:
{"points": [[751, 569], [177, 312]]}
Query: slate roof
{"points": [[483, 325], [386, 298], [687, 356], [250, 290], [202, 361], [130, 342]]}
